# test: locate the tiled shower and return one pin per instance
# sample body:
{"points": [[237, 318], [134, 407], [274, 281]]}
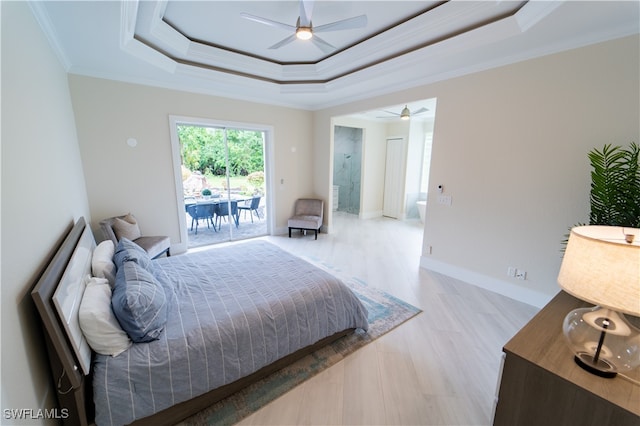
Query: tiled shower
{"points": [[347, 167]]}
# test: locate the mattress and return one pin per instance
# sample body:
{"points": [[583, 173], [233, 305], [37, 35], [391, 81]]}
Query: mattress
{"points": [[232, 311]]}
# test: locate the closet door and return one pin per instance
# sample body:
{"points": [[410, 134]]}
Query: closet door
{"points": [[393, 178]]}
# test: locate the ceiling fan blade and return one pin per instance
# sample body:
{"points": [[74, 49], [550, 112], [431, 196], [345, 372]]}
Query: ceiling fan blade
{"points": [[322, 45], [345, 24], [283, 42], [267, 22], [420, 111], [391, 112], [306, 10]]}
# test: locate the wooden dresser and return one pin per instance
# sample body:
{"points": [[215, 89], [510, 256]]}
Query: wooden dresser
{"points": [[542, 385]]}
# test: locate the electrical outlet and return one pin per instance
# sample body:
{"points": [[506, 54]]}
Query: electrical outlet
{"points": [[444, 199], [521, 275], [511, 271]]}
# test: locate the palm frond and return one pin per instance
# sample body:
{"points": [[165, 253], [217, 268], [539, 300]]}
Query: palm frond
{"points": [[615, 186]]}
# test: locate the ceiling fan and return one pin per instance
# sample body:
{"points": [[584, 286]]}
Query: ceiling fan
{"points": [[304, 29], [405, 114]]}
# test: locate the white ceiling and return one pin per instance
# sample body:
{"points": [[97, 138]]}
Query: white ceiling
{"points": [[207, 47]]}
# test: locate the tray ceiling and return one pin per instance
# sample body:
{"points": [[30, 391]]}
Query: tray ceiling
{"points": [[209, 47]]}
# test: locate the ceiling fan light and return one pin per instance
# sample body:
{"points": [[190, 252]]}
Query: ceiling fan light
{"points": [[304, 33], [405, 114]]}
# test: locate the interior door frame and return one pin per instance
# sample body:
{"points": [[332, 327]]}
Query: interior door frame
{"points": [[174, 121]]}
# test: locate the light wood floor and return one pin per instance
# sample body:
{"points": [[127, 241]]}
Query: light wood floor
{"points": [[439, 368]]}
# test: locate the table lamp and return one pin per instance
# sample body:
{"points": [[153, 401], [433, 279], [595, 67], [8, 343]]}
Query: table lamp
{"points": [[601, 265]]}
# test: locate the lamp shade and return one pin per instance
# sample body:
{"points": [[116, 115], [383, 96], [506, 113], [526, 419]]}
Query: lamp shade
{"points": [[601, 267]]}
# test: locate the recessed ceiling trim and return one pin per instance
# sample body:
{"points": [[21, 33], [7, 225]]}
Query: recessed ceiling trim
{"points": [[371, 73], [128, 17], [168, 36], [534, 11], [184, 34], [198, 53], [143, 51], [171, 42]]}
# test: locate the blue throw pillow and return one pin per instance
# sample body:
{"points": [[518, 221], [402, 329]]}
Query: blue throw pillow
{"points": [[127, 250], [139, 303]]}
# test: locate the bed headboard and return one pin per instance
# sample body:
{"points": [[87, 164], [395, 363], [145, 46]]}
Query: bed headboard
{"points": [[68, 296], [57, 295]]}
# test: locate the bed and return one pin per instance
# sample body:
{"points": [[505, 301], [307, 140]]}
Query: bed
{"points": [[213, 322]]}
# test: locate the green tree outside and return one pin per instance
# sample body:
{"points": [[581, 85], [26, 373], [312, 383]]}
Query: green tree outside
{"points": [[203, 150]]}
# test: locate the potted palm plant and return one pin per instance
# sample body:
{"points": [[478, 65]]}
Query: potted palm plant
{"points": [[615, 186]]}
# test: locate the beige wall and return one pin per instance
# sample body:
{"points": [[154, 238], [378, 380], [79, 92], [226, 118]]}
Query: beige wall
{"points": [[510, 146], [43, 193], [141, 180]]}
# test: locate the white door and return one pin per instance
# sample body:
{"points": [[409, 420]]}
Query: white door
{"points": [[393, 178]]}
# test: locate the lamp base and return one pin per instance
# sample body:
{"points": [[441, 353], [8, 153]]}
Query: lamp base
{"points": [[601, 368]]}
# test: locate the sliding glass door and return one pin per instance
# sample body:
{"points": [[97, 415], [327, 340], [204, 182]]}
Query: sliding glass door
{"points": [[223, 182]]}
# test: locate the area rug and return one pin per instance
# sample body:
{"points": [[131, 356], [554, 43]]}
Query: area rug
{"points": [[385, 313]]}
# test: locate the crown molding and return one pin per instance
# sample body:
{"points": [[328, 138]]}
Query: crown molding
{"points": [[42, 17]]}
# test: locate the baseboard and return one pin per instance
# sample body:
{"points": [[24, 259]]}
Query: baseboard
{"points": [[178, 248], [370, 215], [283, 230], [505, 288]]}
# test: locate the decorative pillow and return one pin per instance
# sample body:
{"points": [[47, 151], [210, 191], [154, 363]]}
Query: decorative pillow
{"points": [[102, 265], [139, 303], [127, 250], [97, 321], [126, 227]]}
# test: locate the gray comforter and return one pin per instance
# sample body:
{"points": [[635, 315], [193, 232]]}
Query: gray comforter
{"points": [[232, 311]]}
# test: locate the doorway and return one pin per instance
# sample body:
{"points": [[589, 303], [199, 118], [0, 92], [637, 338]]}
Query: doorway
{"points": [[347, 169], [222, 180]]}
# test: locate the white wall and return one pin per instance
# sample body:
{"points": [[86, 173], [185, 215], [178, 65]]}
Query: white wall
{"points": [[43, 193], [510, 146], [140, 180]]}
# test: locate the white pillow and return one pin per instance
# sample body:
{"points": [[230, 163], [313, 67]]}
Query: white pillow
{"points": [[102, 265], [97, 321]]}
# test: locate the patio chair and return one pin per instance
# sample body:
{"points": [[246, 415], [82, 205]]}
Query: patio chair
{"points": [[126, 226], [307, 216], [222, 210], [201, 211], [251, 206]]}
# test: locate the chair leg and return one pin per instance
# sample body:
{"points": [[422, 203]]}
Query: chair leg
{"points": [[289, 232], [316, 232]]}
